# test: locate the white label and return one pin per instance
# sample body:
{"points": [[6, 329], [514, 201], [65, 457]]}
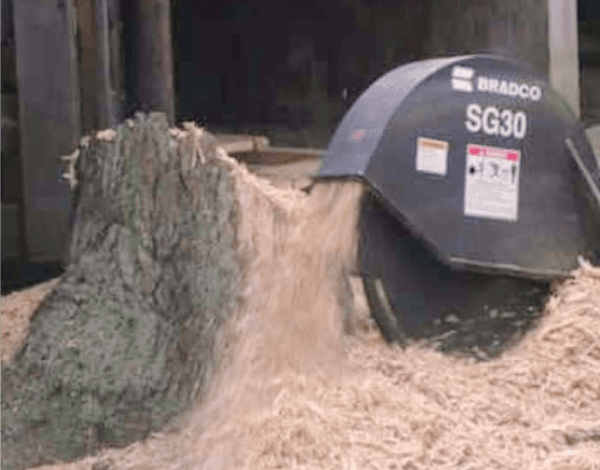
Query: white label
{"points": [[462, 80], [502, 87], [493, 121], [492, 182], [432, 156]]}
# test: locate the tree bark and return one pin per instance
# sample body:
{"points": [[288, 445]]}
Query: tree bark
{"points": [[126, 340]]}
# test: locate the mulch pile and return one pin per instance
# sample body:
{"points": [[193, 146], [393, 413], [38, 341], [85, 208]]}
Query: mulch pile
{"points": [[293, 391]]}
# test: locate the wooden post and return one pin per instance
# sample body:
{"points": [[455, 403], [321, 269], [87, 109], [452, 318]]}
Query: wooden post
{"points": [[564, 51], [150, 61], [86, 38], [107, 113], [117, 69], [49, 117], [100, 63]]}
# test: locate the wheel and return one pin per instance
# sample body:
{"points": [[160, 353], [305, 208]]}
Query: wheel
{"points": [[381, 310], [401, 278], [409, 290]]}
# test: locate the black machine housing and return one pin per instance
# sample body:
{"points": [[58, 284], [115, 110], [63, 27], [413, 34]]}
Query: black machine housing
{"points": [[482, 183]]}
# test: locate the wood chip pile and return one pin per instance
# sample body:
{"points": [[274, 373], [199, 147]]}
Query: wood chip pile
{"points": [[294, 392]]}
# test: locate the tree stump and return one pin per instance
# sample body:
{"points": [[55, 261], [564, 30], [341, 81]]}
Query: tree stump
{"points": [[126, 340]]}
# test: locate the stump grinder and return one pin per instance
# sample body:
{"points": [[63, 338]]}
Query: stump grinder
{"points": [[482, 185]]}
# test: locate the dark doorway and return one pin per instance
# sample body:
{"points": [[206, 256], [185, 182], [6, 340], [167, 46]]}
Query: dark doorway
{"points": [[290, 69]]}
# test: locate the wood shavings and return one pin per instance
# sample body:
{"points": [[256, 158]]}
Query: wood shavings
{"points": [[106, 135], [191, 135], [294, 393], [17, 311], [85, 141], [177, 134], [70, 174], [195, 134]]}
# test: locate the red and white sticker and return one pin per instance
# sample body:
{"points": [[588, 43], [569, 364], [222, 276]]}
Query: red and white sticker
{"points": [[432, 156], [492, 182]]}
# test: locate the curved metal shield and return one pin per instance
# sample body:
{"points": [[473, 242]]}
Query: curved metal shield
{"points": [[480, 160]]}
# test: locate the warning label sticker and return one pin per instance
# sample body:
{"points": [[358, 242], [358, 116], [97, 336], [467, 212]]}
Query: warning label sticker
{"points": [[432, 156], [492, 182]]}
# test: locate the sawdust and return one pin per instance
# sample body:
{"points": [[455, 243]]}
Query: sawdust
{"points": [[294, 392], [17, 310]]}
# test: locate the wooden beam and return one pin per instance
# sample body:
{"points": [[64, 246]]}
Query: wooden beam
{"points": [[237, 143], [282, 155], [257, 150], [49, 115]]}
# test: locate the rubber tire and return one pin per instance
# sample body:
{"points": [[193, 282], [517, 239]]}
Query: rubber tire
{"points": [[379, 311]]}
